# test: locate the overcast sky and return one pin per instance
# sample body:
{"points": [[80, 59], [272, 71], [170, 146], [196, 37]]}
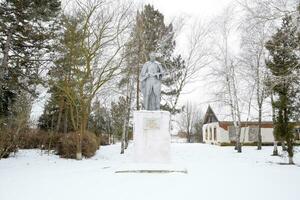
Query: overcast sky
{"points": [[192, 10]]}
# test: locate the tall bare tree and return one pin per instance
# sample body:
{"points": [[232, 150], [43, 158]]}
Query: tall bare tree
{"points": [[103, 26], [188, 119], [255, 34], [226, 70]]}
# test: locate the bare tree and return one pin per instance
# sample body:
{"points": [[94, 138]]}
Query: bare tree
{"points": [[126, 117], [188, 118], [255, 34], [196, 57], [226, 71], [269, 10], [104, 26]]}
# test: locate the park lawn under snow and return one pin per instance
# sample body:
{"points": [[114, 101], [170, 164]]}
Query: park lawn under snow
{"points": [[213, 173]]}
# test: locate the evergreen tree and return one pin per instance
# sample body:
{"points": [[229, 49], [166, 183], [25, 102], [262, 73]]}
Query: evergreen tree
{"points": [[151, 34], [26, 31], [283, 63], [118, 111], [62, 78], [100, 120]]}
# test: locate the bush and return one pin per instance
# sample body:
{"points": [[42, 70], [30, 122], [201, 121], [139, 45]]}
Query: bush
{"points": [[67, 145], [104, 139], [63, 144], [38, 139], [7, 144], [30, 140]]}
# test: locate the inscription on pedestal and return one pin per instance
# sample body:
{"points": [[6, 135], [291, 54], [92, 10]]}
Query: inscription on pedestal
{"points": [[151, 123]]}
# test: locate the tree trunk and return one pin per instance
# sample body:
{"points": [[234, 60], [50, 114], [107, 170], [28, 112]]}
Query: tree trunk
{"points": [[238, 142], [138, 88], [61, 107], [283, 147], [124, 124], [66, 121], [6, 53], [127, 127], [83, 126], [239, 146], [291, 161], [78, 146], [188, 137], [259, 139], [113, 137], [275, 149], [290, 150], [123, 136]]}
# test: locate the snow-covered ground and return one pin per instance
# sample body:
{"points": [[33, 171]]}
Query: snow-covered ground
{"points": [[213, 173]]}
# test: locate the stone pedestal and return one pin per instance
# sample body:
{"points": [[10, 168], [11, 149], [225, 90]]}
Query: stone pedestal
{"points": [[151, 144], [151, 136]]}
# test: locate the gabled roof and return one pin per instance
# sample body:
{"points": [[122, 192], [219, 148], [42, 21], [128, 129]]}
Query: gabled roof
{"points": [[210, 116]]}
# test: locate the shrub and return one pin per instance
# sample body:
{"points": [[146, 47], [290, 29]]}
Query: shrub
{"points": [[30, 140], [38, 139], [104, 139], [7, 144], [50, 141], [67, 145]]}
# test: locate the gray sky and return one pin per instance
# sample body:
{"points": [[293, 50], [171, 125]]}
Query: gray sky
{"points": [[193, 10]]}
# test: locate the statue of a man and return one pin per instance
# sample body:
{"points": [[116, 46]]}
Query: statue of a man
{"points": [[151, 76]]}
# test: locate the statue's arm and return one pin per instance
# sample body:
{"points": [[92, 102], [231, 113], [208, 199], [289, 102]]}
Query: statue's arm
{"points": [[161, 71], [143, 74]]}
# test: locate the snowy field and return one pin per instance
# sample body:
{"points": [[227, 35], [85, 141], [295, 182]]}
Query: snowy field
{"points": [[213, 173]]}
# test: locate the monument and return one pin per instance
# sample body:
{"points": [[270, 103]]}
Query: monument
{"points": [[151, 133], [151, 126]]}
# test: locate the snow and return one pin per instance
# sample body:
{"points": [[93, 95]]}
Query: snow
{"points": [[213, 173]]}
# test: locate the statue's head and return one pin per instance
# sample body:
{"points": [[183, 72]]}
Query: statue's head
{"points": [[152, 56]]}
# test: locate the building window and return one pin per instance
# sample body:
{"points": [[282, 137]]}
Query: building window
{"points": [[206, 134], [253, 133], [232, 133], [210, 134], [215, 133]]}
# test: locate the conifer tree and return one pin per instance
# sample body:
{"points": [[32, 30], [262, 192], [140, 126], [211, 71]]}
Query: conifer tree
{"points": [[26, 31], [282, 64], [151, 34], [58, 108]]}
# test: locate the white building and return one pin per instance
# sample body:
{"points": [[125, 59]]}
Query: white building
{"points": [[223, 132]]}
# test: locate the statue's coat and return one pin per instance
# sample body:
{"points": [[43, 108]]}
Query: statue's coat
{"points": [[150, 77]]}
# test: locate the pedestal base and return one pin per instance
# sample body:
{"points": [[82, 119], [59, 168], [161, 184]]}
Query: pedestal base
{"points": [[151, 168], [152, 144], [151, 136]]}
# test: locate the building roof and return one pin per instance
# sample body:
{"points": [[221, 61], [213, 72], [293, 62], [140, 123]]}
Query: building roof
{"points": [[210, 116], [264, 124]]}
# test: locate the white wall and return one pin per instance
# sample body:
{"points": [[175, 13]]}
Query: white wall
{"points": [[223, 135]]}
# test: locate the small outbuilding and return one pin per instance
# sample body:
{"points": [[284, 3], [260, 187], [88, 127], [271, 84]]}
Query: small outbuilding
{"points": [[223, 132]]}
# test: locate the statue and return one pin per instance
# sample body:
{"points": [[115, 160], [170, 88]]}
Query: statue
{"points": [[151, 76]]}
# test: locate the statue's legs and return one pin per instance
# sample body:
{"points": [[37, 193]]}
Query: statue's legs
{"points": [[152, 101], [146, 106], [157, 101]]}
